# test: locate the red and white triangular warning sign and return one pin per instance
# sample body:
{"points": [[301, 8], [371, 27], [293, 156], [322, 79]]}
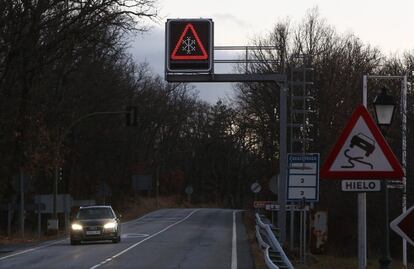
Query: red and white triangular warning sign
{"points": [[361, 152], [189, 46]]}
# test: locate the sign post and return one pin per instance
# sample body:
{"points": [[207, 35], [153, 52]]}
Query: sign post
{"points": [[361, 152]]}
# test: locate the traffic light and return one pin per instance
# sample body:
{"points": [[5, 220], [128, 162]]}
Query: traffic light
{"points": [[60, 173], [131, 116]]}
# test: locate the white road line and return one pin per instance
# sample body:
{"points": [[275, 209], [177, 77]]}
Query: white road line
{"points": [[140, 242], [158, 219], [32, 249], [234, 244], [140, 218], [148, 216]]}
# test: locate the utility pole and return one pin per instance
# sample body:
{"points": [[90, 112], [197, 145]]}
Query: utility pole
{"points": [[281, 218]]}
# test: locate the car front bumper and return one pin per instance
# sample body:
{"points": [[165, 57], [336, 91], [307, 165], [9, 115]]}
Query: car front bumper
{"points": [[84, 236]]}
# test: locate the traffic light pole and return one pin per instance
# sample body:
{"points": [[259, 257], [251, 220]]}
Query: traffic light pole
{"points": [[59, 145]]}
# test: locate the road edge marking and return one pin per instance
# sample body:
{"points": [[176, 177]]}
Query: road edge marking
{"points": [[234, 243], [142, 241], [32, 249]]}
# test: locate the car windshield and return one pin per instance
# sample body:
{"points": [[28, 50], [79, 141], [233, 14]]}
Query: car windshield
{"points": [[95, 213]]}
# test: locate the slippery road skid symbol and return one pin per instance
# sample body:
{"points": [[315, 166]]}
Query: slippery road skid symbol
{"points": [[352, 159], [363, 142], [361, 152]]}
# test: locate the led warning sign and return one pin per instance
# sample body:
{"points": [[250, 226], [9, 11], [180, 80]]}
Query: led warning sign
{"points": [[189, 46]]}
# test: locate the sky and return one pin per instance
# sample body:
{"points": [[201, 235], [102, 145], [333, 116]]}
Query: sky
{"points": [[386, 25]]}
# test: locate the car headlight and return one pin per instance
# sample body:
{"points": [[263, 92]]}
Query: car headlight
{"points": [[110, 225], [76, 227]]}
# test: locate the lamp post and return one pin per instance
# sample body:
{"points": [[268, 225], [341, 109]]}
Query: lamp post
{"points": [[362, 231], [384, 107]]}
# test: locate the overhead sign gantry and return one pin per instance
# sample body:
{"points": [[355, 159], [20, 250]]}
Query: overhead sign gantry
{"points": [[189, 57]]}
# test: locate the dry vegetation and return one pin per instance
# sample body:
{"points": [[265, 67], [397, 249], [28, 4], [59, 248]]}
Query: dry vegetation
{"points": [[29, 238], [257, 253]]}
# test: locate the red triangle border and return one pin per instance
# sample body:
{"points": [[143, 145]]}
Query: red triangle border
{"points": [[397, 172], [204, 56]]}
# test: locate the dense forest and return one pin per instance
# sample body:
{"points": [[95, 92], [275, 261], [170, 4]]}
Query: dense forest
{"points": [[61, 60]]}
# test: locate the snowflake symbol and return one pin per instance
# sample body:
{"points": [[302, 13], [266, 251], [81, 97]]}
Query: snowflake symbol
{"points": [[188, 45]]}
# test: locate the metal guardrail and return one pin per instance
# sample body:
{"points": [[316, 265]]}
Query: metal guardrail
{"points": [[265, 247], [271, 246]]}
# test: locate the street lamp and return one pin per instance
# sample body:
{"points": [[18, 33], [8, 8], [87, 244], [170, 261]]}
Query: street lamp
{"points": [[384, 106]]}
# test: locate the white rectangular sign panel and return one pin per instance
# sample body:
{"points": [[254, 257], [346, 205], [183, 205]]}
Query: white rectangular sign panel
{"points": [[302, 180], [302, 193], [303, 168], [361, 185]]}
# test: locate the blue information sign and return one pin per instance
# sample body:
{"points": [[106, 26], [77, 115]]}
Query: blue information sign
{"points": [[303, 177]]}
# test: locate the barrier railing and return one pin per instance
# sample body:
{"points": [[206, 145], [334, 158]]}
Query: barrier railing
{"points": [[271, 245]]}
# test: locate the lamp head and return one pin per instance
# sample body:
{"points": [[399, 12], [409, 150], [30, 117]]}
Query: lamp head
{"points": [[384, 106]]}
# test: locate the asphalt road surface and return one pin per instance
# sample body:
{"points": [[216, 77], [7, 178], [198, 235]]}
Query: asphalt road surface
{"points": [[163, 239]]}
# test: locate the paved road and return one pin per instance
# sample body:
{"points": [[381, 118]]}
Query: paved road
{"points": [[163, 239]]}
